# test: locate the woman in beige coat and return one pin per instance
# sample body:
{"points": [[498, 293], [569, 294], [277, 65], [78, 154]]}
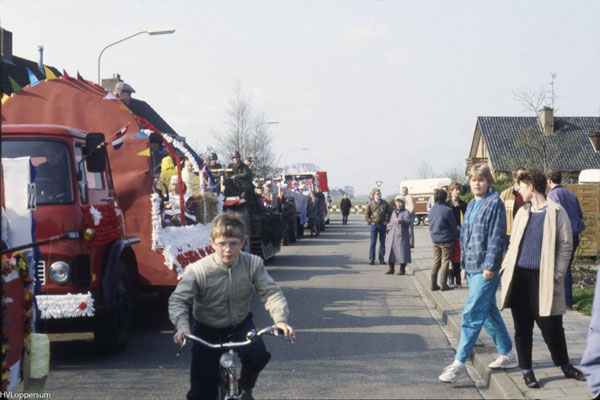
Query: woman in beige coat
{"points": [[533, 274]]}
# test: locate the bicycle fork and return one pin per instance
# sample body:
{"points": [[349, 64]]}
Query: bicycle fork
{"points": [[229, 379]]}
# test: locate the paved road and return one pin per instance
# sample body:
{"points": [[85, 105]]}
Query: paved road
{"points": [[361, 334]]}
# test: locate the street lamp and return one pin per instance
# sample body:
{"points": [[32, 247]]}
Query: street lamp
{"points": [[291, 151], [152, 33]]}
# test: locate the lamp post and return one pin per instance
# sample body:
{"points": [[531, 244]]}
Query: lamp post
{"points": [[152, 33], [291, 151]]}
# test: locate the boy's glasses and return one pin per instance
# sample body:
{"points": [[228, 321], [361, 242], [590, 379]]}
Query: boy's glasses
{"points": [[230, 245]]}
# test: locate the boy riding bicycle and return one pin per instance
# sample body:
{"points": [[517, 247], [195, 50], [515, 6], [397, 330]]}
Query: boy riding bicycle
{"points": [[219, 287]]}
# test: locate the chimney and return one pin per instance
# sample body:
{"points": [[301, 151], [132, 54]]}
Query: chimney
{"points": [[595, 138], [41, 63], [6, 43], [546, 120], [110, 83]]}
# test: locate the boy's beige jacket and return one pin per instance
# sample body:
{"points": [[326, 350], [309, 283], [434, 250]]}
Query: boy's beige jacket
{"points": [[220, 295], [557, 244]]}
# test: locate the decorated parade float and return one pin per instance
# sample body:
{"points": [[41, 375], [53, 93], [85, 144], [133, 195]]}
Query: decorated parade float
{"points": [[142, 228]]}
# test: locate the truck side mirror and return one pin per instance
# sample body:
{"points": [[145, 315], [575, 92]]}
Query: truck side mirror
{"points": [[95, 152]]}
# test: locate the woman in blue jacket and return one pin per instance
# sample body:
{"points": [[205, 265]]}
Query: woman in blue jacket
{"points": [[482, 243]]}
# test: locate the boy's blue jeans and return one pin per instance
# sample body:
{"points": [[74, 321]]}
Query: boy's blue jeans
{"points": [[375, 230], [481, 311], [204, 372]]}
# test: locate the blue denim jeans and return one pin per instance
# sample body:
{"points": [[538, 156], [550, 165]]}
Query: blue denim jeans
{"points": [[481, 311], [569, 275], [375, 230]]}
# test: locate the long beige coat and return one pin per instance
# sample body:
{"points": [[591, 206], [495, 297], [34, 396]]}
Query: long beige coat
{"points": [[557, 244]]}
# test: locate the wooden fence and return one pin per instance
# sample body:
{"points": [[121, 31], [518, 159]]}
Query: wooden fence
{"points": [[589, 199]]}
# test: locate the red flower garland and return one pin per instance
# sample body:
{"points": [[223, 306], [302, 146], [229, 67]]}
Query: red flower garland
{"points": [[109, 227]]}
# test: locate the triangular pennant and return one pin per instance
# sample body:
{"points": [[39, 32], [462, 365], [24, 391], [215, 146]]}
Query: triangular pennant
{"points": [[140, 134], [5, 98], [15, 86], [33, 80], [110, 96], [79, 77], [144, 152], [49, 74], [65, 74], [119, 137], [378, 183]]}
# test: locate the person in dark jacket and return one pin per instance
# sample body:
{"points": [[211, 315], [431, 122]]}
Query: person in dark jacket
{"points": [[458, 208], [442, 228], [345, 206], [240, 180], [377, 216]]}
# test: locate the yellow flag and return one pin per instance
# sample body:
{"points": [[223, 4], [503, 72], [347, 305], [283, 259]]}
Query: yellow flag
{"points": [[144, 152], [5, 98], [49, 73]]}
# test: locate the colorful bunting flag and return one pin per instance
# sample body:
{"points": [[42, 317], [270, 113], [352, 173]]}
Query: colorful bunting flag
{"points": [[15, 86], [65, 74], [79, 77], [119, 138], [140, 134], [110, 96], [33, 80], [5, 98], [49, 74], [144, 152]]}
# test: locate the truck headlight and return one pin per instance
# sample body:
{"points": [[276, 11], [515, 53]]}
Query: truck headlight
{"points": [[226, 360], [60, 272]]}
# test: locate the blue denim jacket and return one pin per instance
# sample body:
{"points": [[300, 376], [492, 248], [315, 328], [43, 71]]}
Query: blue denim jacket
{"points": [[482, 243]]}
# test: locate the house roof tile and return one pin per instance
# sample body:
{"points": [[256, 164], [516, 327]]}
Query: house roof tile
{"points": [[568, 149]]}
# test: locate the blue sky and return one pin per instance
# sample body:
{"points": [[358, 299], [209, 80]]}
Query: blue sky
{"points": [[373, 88]]}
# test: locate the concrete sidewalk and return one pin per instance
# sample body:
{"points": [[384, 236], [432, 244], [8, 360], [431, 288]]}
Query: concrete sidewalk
{"points": [[507, 383]]}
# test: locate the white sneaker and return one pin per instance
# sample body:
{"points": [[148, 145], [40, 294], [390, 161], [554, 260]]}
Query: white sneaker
{"points": [[453, 372], [506, 361]]}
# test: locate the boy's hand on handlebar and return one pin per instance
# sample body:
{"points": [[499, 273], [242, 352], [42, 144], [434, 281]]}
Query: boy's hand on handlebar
{"points": [[287, 330], [178, 337]]}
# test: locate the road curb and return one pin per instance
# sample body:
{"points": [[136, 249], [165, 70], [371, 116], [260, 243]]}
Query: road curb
{"points": [[497, 381]]}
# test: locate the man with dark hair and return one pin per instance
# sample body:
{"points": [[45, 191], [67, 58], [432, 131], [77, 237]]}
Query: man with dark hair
{"points": [[378, 215], [443, 231], [240, 180], [569, 202], [157, 152], [345, 206]]}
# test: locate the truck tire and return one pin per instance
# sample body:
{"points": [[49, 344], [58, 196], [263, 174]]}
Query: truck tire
{"points": [[426, 220], [114, 320], [416, 220]]}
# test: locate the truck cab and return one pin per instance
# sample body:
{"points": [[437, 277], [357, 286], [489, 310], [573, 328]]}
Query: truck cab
{"points": [[70, 189]]}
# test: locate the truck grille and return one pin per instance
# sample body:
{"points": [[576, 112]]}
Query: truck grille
{"points": [[40, 272]]}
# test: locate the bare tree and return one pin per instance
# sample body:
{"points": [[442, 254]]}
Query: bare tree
{"points": [[456, 173], [425, 171], [349, 190], [248, 133], [302, 167]]}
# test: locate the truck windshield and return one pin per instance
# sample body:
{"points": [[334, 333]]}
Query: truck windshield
{"points": [[52, 161]]}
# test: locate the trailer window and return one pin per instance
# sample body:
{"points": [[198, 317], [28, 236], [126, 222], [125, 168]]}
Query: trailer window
{"points": [[53, 167]]}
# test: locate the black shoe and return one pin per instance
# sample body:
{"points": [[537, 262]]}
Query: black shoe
{"points": [[530, 380], [445, 287], [371, 263], [574, 373], [247, 395], [382, 262]]}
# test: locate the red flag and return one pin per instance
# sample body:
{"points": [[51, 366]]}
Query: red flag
{"points": [[65, 74]]}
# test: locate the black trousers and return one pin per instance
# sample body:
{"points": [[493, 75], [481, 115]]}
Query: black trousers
{"points": [[524, 305], [204, 373]]}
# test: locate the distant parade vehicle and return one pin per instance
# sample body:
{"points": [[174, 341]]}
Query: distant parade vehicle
{"points": [[422, 191], [299, 184], [92, 168]]}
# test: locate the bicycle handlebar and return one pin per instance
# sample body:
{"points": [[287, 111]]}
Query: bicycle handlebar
{"points": [[250, 336]]}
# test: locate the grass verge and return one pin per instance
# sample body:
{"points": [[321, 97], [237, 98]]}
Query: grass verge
{"points": [[583, 299]]}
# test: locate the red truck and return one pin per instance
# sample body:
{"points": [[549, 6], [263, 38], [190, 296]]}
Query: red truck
{"points": [[101, 151]]}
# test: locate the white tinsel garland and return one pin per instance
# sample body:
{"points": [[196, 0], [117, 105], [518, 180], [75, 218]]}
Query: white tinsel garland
{"points": [[97, 215], [66, 306]]}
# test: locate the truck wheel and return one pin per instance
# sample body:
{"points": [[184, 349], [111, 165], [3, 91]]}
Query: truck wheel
{"points": [[114, 321], [416, 220], [426, 220]]}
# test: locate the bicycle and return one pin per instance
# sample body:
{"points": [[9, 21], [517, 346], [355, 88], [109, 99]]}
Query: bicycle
{"points": [[228, 388]]}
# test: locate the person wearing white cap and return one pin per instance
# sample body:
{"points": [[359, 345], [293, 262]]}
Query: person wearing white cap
{"points": [[123, 92], [397, 243]]}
